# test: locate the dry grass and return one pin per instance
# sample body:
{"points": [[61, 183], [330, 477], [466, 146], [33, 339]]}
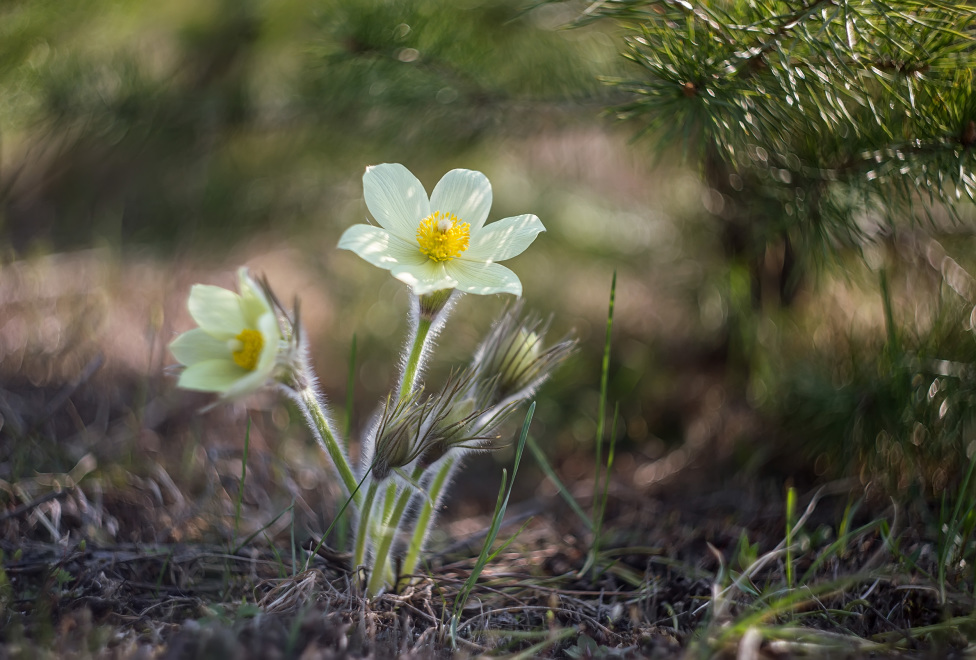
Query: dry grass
{"points": [[120, 538]]}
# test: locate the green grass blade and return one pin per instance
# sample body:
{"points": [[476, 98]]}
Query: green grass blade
{"points": [[788, 603], [550, 473], [838, 547], [496, 522], [894, 348], [600, 424], [294, 553], [601, 508], [535, 651], [790, 521], [342, 531], [338, 516], [509, 542], [602, 406], [952, 526], [282, 573], [263, 528], [162, 572]]}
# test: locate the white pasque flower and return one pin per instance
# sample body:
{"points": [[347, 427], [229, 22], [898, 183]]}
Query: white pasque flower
{"points": [[235, 349], [443, 242]]}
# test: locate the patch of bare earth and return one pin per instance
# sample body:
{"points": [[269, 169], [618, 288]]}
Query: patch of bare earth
{"points": [[126, 533]]}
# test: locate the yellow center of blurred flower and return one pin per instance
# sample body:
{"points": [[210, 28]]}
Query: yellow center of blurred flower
{"points": [[248, 346], [442, 236]]}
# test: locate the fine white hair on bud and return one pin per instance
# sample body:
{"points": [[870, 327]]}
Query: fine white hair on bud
{"points": [[512, 362], [396, 438]]}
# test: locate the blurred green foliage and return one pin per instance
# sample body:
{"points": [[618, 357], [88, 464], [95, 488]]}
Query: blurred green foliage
{"points": [[900, 409], [185, 122], [815, 131], [820, 128], [816, 125]]}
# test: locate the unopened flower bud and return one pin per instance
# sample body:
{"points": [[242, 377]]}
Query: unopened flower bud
{"points": [[396, 437], [511, 361], [513, 364], [447, 431]]}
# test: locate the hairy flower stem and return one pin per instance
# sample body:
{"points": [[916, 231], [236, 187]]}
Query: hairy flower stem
{"points": [[412, 365], [393, 509], [428, 314], [362, 531], [424, 520], [308, 401], [380, 571]]}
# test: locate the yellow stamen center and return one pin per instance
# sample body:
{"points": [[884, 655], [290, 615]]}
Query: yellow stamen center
{"points": [[442, 236], [249, 342]]}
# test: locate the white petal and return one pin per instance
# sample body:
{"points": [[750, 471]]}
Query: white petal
{"points": [[254, 303], [211, 376], [216, 310], [251, 382], [484, 278], [424, 278], [380, 248], [503, 239], [268, 327], [396, 198], [466, 194], [198, 346]]}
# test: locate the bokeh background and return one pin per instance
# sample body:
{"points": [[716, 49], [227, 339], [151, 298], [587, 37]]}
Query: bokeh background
{"points": [[145, 147]]}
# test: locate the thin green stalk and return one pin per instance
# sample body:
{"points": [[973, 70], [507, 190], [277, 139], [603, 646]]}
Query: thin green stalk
{"points": [[282, 573], [359, 552], [604, 382], [396, 506], [790, 519], [422, 526], [342, 530], [893, 348], [389, 503], [602, 506], [412, 365], [543, 462], [535, 651], [255, 534], [294, 553], [952, 529], [162, 572], [501, 505], [337, 518], [600, 424], [308, 399]]}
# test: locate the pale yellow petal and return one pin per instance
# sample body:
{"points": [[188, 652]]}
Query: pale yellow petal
{"points": [[198, 346], [216, 310]]}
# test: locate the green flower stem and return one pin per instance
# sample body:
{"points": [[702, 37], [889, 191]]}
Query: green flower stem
{"points": [[359, 552], [412, 366], [308, 400], [392, 513], [422, 526]]}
